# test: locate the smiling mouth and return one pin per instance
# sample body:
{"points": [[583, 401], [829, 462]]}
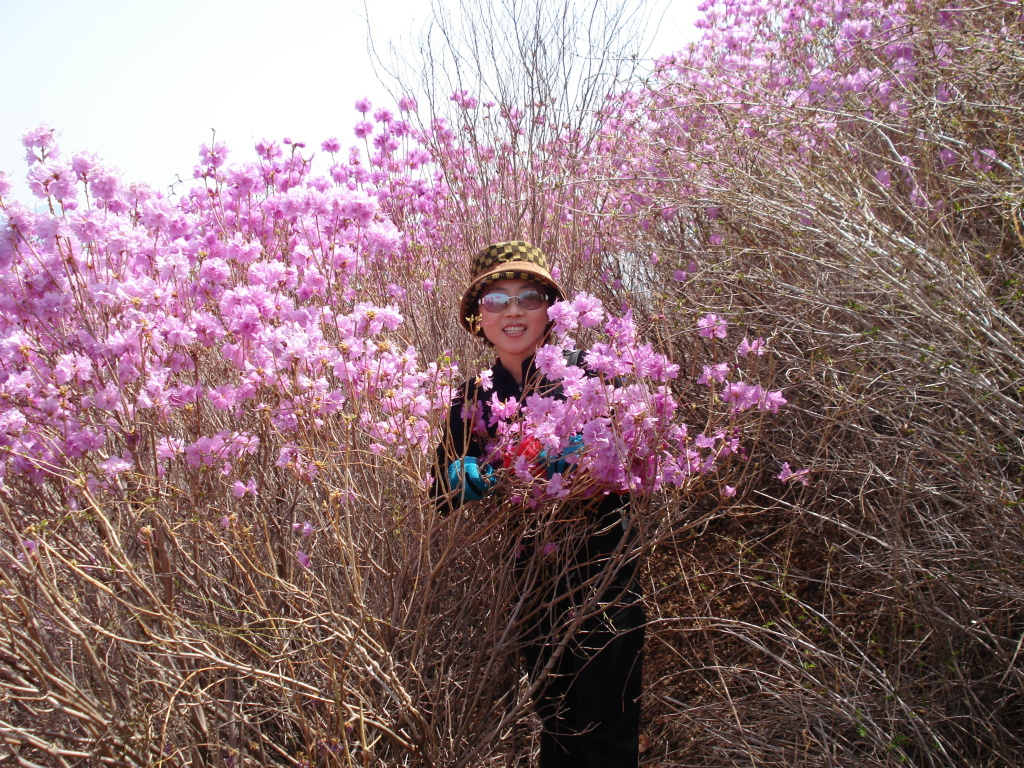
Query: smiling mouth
{"points": [[515, 330]]}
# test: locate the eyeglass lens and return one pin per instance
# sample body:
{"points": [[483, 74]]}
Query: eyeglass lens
{"points": [[497, 302]]}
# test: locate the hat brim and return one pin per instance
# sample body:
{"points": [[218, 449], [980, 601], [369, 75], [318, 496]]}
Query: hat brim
{"points": [[468, 314]]}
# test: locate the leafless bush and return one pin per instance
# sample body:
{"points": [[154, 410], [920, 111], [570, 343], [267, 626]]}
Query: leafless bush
{"points": [[874, 617]]}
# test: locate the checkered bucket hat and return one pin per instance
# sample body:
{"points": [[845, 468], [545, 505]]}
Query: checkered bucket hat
{"points": [[512, 260]]}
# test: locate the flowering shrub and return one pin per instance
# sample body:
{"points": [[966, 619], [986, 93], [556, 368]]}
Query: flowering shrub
{"points": [[181, 382], [216, 411], [141, 336], [842, 177], [233, 374], [616, 416]]}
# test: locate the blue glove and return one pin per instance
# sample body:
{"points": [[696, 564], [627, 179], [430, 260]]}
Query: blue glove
{"points": [[560, 465], [465, 476]]}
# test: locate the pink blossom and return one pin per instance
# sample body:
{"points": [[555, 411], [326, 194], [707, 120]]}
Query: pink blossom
{"points": [[982, 159], [115, 466], [746, 347], [564, 317], [556, 488], [771, 401], [703, 441], [169, 447], [712, 326], [741, 395], [239, 489], [40, 144], [713, 373], [588, 309], [464, 100], [214, 154], [787, 474], [502, 410]]}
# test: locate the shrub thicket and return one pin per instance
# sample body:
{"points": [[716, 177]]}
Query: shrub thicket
{"points": [[218, 408]]}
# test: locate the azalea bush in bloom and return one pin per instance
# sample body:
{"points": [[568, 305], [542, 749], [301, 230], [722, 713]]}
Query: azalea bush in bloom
{"points": [[216, 423], [195, 392], [794, 250], [615, 416], [842, 179]]}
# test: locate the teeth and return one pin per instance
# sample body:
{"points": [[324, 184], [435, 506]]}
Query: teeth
{"points": [[515, 329]]}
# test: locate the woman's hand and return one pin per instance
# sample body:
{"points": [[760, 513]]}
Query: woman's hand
{"points": [[467, 478], [560, 465]]}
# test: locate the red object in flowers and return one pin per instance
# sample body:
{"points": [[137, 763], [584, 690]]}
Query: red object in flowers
{"points": [[529, 448]]}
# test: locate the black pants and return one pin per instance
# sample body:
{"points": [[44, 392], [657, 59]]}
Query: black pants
{"points": [[590, 703]]}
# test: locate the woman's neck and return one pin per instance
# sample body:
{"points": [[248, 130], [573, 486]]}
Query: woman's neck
{"points": [[514, 364]]}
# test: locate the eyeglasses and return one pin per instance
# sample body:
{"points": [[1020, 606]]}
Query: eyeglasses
{"points": [[499, 302]]}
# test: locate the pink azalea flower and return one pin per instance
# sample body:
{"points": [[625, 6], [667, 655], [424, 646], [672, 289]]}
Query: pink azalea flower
{"points": [[564, 316], [711, 326], [982, 159], [588, 309], [787, 474], [556, 488], [115, 466], [746, 347], [771, 401], [239, 489], [714, 373], [502, 410]]}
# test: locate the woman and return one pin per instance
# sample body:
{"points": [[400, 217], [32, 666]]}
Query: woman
{"points": [[586, 635]]}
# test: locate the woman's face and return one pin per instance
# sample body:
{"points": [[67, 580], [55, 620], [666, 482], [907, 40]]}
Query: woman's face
{"points": [[515, 332]]}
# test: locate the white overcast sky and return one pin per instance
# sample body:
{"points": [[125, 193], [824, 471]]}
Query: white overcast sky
{"points": [[141, 83]]}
